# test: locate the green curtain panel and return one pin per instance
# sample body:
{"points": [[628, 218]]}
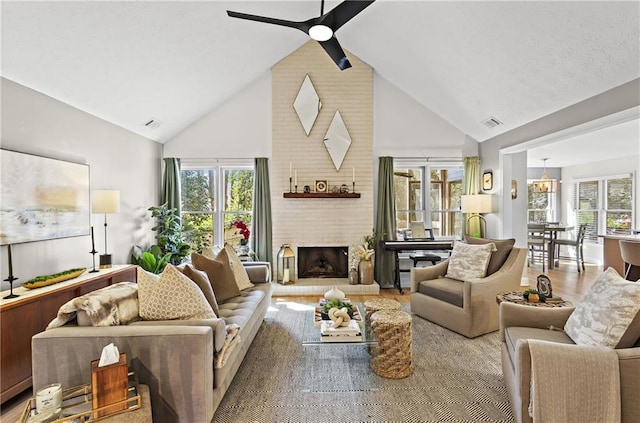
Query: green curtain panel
{"points": [[171, 183], [385, 264], [262, 226], [472, 186]]}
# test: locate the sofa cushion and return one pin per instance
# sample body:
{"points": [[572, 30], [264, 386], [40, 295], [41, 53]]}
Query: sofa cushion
{"points": [[202, 280], [498, 257], [469, 261], [239, 272], [443, 289], [240, 309], [220, 275], [170, 296], [605, 315]]}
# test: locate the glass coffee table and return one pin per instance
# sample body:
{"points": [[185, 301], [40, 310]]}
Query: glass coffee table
{"points": [[312, 323]]}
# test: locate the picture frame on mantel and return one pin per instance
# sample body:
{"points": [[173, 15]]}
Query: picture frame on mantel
{"points": [[487, 181]]}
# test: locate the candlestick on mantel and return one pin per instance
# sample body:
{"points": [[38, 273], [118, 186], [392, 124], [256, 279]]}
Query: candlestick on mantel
{"points": [[354, 176], [289, 170], [295, 177], [11, 278]]}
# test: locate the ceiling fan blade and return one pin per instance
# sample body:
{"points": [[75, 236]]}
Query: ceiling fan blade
{"points": [[302, 26], [344, 12], [334, 50]]}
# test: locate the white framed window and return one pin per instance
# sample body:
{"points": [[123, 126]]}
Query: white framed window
{"points": [[605, 204], [541, 206], [215, 194], [437, 207]]}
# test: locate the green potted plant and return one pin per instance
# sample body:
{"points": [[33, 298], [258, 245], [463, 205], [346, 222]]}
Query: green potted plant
{"points": [[324, 310], [171, 245]]}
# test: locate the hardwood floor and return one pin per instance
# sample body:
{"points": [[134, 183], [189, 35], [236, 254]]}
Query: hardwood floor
{"points": [[565, 281]]}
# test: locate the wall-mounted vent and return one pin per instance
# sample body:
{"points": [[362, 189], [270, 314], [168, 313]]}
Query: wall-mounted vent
{"points": [[152, 123], [491, 122]]}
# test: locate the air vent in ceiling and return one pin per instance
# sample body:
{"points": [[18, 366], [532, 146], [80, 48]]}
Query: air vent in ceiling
{"points": [[152, 123], [491, 122]]}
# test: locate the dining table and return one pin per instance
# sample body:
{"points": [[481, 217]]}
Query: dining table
{"points": [[551, 230]]}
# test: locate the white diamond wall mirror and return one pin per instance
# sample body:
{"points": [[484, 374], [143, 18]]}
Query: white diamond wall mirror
{"points": [[307, 104], [337, 140]]}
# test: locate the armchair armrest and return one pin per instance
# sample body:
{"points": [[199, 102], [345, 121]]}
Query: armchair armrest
{"points": [[532, 317], [419, 274]]}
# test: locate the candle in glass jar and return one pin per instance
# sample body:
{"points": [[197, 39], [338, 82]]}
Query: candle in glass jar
{"points": [[285, 278], [49, 398]]}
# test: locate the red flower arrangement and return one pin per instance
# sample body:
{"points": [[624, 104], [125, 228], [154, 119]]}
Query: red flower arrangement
{"points": [[243, 229]]}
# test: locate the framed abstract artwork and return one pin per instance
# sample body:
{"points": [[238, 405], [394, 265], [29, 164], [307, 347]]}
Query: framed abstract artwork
{"points": [[42, 198]]}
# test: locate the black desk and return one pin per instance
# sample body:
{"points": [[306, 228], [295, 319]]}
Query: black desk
{"points": [[413, 245]]}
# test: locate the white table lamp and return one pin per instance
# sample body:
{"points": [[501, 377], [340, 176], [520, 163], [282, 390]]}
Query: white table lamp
{"points": [[105, 201]]}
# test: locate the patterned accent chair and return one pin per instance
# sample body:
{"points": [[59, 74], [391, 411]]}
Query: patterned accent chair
{"points": [[467, 306]]}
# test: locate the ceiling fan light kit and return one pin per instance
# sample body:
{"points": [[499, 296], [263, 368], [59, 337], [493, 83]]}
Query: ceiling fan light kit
{"points": [[321, 29], [320, 32]]}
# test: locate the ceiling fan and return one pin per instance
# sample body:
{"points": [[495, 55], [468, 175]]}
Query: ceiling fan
{"points": [[323, 28]]}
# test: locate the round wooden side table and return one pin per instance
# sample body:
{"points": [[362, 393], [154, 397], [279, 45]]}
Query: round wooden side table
{"points": [[517, 297]]}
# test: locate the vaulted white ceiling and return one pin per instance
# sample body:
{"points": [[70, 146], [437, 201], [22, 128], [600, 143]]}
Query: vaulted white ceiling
{"points": [[128, 62]]}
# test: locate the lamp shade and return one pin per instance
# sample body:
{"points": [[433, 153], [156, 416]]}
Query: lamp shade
{"points": [[105, 201], [476, 203]]}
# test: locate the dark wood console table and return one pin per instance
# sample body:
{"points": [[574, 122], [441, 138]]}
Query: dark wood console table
{"points": [[31, 312]]}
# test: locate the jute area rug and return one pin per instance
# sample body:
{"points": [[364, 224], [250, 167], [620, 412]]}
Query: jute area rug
{"points": [[455, 379]]}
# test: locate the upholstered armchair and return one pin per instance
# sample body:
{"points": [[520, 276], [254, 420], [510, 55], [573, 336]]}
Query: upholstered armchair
{"points": [[467, 306], [522, 325]]}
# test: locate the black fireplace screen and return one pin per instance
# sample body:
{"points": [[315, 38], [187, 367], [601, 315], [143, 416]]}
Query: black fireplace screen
{"points": [[323, 262]]}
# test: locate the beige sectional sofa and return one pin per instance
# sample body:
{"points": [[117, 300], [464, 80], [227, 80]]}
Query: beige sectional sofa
{"points": [[174, 358]]}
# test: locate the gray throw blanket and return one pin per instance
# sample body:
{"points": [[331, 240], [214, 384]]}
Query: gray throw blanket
{"points": [[113, 305], [573, 383]]}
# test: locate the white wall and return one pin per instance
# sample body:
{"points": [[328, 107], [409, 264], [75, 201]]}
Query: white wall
{"points": [[405, 128], [239, 128], [242, 127], [36, 124]]}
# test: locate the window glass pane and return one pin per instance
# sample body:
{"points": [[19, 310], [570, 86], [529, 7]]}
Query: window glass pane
{"points": [[619, 194], [536, 200], [588, 195], [198, 230], [455, 195], [238, 190], [234, 232], [618, 222], [590, 217], [198, 190], [436, 196]]}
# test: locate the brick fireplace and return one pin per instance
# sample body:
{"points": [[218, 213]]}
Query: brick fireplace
{"points": [[312, 222]]}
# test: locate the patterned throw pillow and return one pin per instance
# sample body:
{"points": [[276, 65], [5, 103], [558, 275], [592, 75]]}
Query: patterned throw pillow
{"points": [[499, 256], [606, 312], [219, 273], [171, 296], [239, 272], [469, 261]]}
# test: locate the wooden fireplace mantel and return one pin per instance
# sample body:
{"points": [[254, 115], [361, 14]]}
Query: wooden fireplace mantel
{"points": [[321, 195]]}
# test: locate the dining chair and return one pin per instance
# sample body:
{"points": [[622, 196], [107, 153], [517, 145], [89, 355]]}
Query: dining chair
{"points": [[537, 243], [630, 252], [575, 243]]}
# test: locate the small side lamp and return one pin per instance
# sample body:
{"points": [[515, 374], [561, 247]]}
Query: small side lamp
{"points": [[105, 201], [475, 204]]}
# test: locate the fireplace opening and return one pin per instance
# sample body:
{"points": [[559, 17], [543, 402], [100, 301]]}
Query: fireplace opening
{"points": [[323, 262]]}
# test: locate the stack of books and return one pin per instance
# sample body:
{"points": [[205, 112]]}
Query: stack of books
{"points": [[350, 333]]}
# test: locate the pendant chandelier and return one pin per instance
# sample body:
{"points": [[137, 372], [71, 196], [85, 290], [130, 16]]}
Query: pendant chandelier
{"points": [[545, 184]]}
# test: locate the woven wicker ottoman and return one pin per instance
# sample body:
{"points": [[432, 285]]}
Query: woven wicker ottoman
{"points": [[371, 306], [392, 358]]}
